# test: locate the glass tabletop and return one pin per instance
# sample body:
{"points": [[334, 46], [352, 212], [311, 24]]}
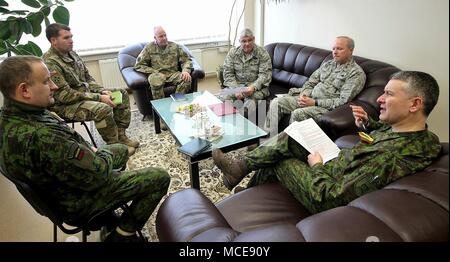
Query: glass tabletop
{"points": [[236, 128]]}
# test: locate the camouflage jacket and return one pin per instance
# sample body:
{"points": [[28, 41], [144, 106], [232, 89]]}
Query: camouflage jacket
{"points": [[333, 85], [368, 167], [36, 144], [72, 77], [166, 60], [240, 70]]}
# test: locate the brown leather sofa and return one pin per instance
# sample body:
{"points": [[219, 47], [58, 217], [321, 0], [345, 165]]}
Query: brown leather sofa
{"points": [[414, 208], [138, 81], [293, 64]]}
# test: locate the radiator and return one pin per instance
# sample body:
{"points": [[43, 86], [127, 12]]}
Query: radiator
{"points": [[197, 54], [111, 76]]}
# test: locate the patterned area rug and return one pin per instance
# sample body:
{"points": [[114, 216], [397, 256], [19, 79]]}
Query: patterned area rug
{"points": [[161, 151]]}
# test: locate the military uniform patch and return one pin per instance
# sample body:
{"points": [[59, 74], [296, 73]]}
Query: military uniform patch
{"points": [[79, 154], [365, 138]]}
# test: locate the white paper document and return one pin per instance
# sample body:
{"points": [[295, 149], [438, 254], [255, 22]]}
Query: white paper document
{"points": [[308, 134], [206, 99]]}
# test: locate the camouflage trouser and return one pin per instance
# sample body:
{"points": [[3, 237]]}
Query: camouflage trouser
{"points": [[157, 82], [286, 105], [144, 187], [249, 102], [106, 118], [282, 159]]}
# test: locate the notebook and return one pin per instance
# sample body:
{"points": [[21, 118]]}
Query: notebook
{"points": [[224, 108], [178, 97], [116, 97], [195, 147]]}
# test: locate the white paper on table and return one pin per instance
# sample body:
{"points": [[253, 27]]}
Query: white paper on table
{"points": [[308, 134], [206, 99]]}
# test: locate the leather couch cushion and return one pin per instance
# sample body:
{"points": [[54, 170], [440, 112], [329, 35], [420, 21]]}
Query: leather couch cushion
{"points": [[345, 224], [264, 205], [395, 209]]}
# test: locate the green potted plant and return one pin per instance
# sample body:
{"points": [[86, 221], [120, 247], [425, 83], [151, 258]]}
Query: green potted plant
{"points": [[15, 23]]}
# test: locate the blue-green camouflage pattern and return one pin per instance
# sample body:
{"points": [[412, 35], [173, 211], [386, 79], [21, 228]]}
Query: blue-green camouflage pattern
{"points": [[80, 182], [355, 172], [242, 70], [331, 85], [162, 66]]}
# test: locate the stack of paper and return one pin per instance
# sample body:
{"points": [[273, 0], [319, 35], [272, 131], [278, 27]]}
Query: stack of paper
{"points": [[308, 134]]}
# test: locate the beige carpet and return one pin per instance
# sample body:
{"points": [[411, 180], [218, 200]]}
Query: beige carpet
{"points": [[161, 151]]}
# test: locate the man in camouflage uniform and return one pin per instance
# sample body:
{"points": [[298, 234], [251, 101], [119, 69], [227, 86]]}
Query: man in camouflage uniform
{"points": [[247, 69], [78, 179], [335, 83], [79, 97], [160, 59], [401, 146]]}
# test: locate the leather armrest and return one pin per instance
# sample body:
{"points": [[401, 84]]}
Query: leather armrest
{"points": [[187, 215], [198, 71], [340, 121], [134, 79]]}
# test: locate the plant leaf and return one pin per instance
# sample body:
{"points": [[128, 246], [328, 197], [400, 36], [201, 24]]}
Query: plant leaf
{"points": [[3, 48], [61, 15], [69, 0], [45, 10], [3, 3], [25, 26], [32, 3], [3, 10], [31, 48], [36, 21], [5, 31], [43, 2], [47, 22]]}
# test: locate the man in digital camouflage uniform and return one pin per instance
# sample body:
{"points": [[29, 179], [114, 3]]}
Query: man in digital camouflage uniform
{"points": [[79, 97], [160, 59], [401, 146], [247, 69], [78, 179], [335, 83]]}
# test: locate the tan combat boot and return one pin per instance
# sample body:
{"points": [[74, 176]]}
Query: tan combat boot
{"points": [[131, 150], [123, 139]]}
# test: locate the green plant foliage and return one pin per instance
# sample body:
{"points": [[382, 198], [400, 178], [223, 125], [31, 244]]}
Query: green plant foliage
{"points": [[15, 23]]}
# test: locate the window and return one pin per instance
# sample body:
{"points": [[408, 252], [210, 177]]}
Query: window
{"points": [[98, 24]]}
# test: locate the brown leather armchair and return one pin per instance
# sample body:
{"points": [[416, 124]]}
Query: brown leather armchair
{"points": [[138, 81], [414, 208]]}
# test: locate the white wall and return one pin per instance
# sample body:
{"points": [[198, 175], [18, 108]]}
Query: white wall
{"points": [[410, 34]]}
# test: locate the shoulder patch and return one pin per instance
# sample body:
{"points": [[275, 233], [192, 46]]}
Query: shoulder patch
{"points": [[75, 152]]}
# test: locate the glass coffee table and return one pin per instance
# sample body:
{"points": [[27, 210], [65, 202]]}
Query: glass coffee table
{"points": [[238, 132]]}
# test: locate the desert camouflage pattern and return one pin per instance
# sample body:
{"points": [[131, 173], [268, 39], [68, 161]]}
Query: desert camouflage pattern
{"points": [[355, 172], [78, 96], [163, 67], [79, 182], [331, 85]]}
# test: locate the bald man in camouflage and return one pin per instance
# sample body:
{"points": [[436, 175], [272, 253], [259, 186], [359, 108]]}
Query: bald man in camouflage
{"points": [[335, 83], [401, 146], [79, 97], [160, 59], [76, 178], [247, 72]]}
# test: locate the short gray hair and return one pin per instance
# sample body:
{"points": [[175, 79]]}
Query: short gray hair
{"points": [[420, 84], [246, 32], [350, 42]]}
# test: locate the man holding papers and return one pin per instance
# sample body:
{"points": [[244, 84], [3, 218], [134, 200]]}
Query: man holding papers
{"points": [[399, 145], [80, 97]]}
